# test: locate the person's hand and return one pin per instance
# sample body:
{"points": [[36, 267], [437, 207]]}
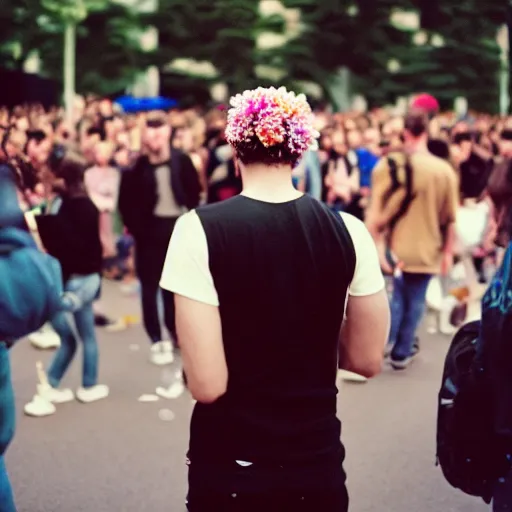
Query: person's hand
{"points": [[446, 263]]}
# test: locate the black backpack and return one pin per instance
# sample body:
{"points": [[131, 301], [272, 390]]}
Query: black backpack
{"points": [[468, 450]]}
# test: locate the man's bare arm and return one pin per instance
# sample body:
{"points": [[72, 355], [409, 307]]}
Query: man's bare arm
{"points": [[364, 333], [204, 362]]}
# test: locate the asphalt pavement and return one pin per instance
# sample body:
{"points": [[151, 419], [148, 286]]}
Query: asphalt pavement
{"points": [[122, 455]]}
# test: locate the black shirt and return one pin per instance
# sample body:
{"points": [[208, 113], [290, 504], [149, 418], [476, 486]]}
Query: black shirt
{"points": [[474, 175], [282, 273], [72, 236]]}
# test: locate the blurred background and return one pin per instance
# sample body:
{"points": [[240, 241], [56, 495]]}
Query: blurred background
{"points": [[346, 53]]}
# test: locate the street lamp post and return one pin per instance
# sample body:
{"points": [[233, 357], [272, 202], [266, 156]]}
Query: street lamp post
{"points": [[70, 13], [503, 42], [69, 70]]}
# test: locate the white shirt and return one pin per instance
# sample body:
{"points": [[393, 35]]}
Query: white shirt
{"points": [[166, 205], [187, 272]]}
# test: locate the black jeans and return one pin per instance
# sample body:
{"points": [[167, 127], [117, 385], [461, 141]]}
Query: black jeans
{"points": [[150, 255], [502, 499], [253, 489]]}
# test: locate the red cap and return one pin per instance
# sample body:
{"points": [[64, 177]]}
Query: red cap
{"points": [[425, 102]]}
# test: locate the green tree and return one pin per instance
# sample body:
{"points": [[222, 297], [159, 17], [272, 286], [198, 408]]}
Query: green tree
{"points": [[359, 35], [108, 52], [221, 32], [20, 26]]}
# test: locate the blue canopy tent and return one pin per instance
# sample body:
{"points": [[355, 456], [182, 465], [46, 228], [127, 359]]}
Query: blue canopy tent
{"points": [[132, 105]]}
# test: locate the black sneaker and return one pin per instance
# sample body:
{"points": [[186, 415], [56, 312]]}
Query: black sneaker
{"points": [[101, 320], [415, 347], [401, 364]]}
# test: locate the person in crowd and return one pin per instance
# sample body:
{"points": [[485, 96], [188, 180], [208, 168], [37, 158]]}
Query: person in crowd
{"points": [[308, 174], [422, 199], [68, 230], [25, 274], [223, 179], [185, 139], [498, 355], [102, 185], [160, 187], [341, 178], [247, 273]]}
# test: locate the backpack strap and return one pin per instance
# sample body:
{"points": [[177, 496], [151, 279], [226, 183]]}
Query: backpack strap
{"points": [[396, 185], [409, 195]]}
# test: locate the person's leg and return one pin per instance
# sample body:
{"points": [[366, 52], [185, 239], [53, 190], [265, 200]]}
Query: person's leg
{"points": [[7, 405], [84, 319], [149, 284], [397, 312], [80, 290], [6, 496], [415, 291], [169, 313], [502, 499], [65, 352], [317, 489]]}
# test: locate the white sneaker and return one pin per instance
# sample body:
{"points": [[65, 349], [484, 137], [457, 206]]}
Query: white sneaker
{"points": [[162, 353], [174, 391], [351, 377], [88, 395], [45, 338], [55, 395], [39, 407]]}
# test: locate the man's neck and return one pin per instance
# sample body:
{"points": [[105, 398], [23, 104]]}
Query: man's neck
{"points": [[159, 157], [417, 146], [271, 184]]}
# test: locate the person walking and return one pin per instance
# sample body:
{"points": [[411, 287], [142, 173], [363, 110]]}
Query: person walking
{"points": [[412, 216], [68, 230], [261, 284], [162, 185]]}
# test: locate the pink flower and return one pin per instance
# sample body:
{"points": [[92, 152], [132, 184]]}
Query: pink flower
{"points": [[274, 116]]}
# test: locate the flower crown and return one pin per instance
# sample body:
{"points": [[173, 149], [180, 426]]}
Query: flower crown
{"points": [[274, 116]]}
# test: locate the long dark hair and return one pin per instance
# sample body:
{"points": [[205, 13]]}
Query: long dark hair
{"points": [[500, 192], [70, 167], [24, 174]]}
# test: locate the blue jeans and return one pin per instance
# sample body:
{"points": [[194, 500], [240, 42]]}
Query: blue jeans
{"points": [[81, 291], [7, 425], [407, 309], [6, 496]]}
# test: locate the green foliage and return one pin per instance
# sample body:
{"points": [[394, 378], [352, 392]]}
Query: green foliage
{"points": [[20, 29], [221, 32], [467, 65], [108, 54], [356, 34]]}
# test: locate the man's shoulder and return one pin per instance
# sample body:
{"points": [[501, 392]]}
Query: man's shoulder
{"points": [[180, 156], [219, 209], [433, 162]]}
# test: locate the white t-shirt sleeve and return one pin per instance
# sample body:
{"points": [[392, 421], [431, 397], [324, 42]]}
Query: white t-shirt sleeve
{"points": [[186, 269], [368, 278]]}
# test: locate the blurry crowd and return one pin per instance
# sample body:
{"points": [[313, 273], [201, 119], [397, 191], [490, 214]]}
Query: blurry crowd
{"points": [[337, 172]]}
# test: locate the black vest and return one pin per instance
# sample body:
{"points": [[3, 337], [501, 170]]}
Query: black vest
{"points": [[281, 272]]}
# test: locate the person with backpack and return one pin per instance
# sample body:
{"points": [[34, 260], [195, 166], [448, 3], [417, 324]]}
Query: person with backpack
{"points": [[68, 230], [30, 294], [474, 425], [412, 218]]}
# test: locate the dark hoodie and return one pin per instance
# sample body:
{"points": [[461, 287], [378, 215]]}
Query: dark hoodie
{"points": [[10, 211]]}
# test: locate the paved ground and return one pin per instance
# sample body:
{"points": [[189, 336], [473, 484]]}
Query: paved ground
{"points": [[119, 456]]}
